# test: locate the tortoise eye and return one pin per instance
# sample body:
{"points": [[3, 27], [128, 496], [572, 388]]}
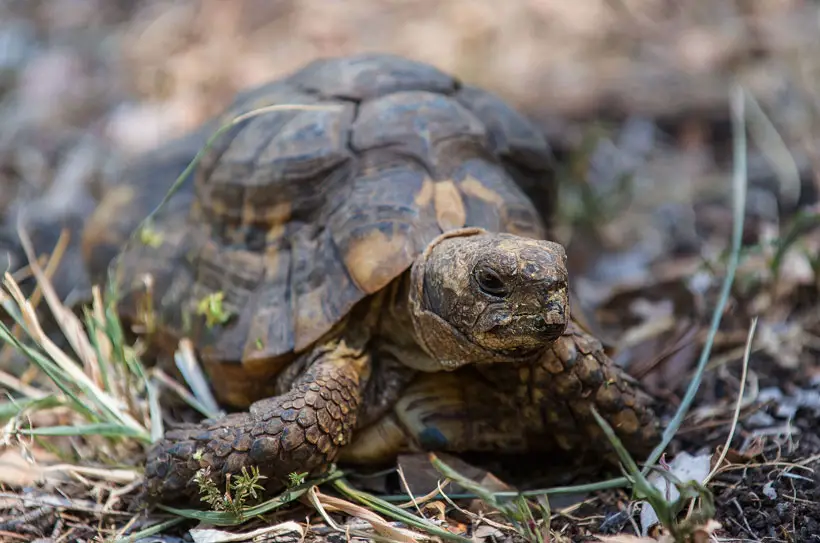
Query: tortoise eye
{"points": [[489, 281]]}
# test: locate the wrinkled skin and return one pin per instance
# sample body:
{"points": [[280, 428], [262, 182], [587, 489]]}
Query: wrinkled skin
{"points": [[480, 298], [543, 405], [474, 297], [300, 431]]}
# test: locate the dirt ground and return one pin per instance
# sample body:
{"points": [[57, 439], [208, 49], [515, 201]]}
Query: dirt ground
{"points": [[634, 98]]}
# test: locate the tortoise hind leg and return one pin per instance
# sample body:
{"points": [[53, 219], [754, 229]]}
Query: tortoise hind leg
{"points": [[299, 431], [456, 412]]}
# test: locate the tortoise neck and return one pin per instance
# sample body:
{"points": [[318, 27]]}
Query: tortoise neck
{"points": [[396, 330], [395, 311]]}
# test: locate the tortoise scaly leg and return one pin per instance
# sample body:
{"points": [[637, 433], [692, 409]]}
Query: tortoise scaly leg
{"points": [[300, 431], [540, 406]]}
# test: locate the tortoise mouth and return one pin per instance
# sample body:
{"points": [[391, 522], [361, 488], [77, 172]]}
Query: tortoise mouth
{"points": [[543, 326], [517, 335]]}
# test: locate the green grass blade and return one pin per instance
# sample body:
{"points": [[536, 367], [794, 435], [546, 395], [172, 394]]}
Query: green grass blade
{"points": [[14, 407], [106, 429], [152, 530], [105, 410], [113, 328], [484, 493], [739, 186], [93, 327], [162, 379], [52, 371], [640, 483], [226, 518], [197, 383], [617, 482]]}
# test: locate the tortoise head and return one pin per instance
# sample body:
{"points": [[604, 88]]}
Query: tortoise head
{"points": [[479, 297]]}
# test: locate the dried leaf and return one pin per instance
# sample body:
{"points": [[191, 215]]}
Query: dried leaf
{"points": [[380, 525], [686, 468]]}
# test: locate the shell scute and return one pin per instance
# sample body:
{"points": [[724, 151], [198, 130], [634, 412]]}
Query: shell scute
{"points": [[366, 76], [294, 216]]}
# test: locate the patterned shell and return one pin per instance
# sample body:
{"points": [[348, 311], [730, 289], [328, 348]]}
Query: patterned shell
{"points": [[293, 216]]}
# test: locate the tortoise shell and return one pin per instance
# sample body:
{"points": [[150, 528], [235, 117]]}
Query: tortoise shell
{"points": [[293, 216]]}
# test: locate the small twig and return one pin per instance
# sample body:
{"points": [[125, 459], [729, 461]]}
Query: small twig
{"points": [[738, 404], [426, 498], [409, 492], [27, 518], [127, 526], [85, 506], [470, 514], [735, 467], [747, 528], [115, 495], [14, 535], [111, 475], [377, 504]]}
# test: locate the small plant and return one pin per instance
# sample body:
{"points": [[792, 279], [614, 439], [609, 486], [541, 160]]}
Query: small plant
{"points": [[666, 510], [150, 237], [244, 486], [296, 479], [208, 490], [211, 308]]}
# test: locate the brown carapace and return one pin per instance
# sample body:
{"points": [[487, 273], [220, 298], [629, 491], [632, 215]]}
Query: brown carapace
{"points": [[385, 278]]}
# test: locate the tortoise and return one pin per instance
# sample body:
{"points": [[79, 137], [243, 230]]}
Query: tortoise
{"points": [[387, 282]]}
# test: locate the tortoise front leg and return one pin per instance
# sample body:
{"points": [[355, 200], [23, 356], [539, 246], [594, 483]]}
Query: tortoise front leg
{"points": [[300, 431], [514, 408]]}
